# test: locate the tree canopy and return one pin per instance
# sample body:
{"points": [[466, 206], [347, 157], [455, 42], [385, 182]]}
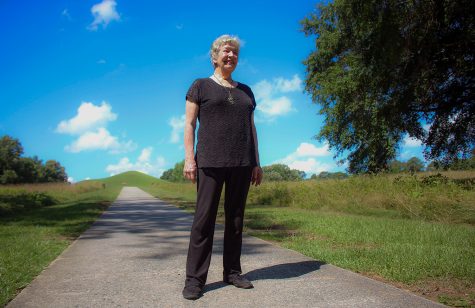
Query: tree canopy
{"points": [[17, 169], [174, 174], [281, 172], [385, 68]]}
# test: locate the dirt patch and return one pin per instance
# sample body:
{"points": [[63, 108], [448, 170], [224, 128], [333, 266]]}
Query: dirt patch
{"points": [[448, 291]]}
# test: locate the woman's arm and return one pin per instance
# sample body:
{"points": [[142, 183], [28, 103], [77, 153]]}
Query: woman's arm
{"points": [[257, 174], [191, 114]]}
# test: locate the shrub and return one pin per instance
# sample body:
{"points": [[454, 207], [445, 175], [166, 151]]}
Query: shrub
{"points": [[12, 200]]}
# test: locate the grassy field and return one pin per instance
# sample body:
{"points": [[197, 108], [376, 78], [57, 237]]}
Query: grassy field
{"points": [[37, 222], [416, 232]]}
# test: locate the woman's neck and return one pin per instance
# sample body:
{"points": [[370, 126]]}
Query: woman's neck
{"points": [[223, 75]]}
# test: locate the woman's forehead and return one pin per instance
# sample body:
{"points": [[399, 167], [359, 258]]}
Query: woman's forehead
{"points": [[229, 46]]}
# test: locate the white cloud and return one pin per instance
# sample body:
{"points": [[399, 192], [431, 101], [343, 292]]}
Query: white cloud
{"points": [[143, 164], [275, 107], [145, 155], [179, 26], [89, 123], [70, 179], [309, 166], [262, 89], [308, 149], [177, 124], [100, 139], [412, 142], [101, 61], [103, 13], [286, 85], [89, 116], [303, 158], [123, 166], [269, 101]]}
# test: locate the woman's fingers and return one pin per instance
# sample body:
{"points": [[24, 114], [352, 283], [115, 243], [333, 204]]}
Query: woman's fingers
{"points": [[190, 171], [256, 177]]}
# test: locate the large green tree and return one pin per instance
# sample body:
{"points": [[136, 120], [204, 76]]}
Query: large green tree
{"points": [[386, 68]]}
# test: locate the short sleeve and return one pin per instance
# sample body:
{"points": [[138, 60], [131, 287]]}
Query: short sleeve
{"points": [[251, 95], [253, 101], [193, 94]]}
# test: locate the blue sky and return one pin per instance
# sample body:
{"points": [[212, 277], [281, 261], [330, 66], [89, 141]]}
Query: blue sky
{"points": [[100, 85]]}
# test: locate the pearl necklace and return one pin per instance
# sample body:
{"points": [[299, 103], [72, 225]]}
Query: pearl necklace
{"points": [[230, 98]]}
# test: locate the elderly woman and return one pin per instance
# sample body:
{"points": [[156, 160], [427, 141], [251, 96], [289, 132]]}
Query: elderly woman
{"points": [[226, 153]]}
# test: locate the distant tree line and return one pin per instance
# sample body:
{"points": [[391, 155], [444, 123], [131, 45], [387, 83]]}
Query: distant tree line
{"points": [[329, 175], [174, 174], [275, 172], [412, 165], [15, 169], [281, 172], [458, 164]]}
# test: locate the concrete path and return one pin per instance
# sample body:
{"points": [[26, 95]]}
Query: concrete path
{"points": [[134, 256]]}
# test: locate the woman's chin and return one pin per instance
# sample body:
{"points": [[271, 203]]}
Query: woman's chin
{"points": [[229, 68]]}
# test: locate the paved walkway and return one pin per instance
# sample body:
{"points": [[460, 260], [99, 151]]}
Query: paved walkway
{"points": [[134, 256]]}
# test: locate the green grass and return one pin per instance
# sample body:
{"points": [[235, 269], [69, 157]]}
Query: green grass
{"points": [[397, 249], [435, 198], [413, 231], [32, 237]]}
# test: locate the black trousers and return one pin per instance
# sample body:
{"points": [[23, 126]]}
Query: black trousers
{"points": [[210, 184]]}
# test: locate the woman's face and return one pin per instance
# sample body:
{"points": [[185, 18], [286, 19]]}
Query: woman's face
{"points": [[227, 57]]}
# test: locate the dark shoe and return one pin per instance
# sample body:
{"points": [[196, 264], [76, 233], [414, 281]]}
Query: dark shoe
{"points": [[238, 281], [192, 292]]}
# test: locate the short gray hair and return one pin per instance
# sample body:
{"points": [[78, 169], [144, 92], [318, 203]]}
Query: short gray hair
{"points": [[220, 41]]}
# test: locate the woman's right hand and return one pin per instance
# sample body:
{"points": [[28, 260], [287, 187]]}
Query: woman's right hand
{"points": [[189, 170]]}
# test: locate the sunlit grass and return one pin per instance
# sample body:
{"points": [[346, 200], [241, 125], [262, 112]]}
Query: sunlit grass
{"points": [[32, 237], [412, 232], [402, 229]]}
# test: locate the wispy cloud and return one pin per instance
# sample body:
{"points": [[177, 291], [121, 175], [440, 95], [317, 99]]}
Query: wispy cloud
{"points": [[179, 26], [177, 124], [65, 14], [304, 158], [143, 164], [103, 12], [270, 101]]}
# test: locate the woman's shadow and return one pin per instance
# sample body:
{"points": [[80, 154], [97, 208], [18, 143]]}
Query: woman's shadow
{"points": [[279, 271]]}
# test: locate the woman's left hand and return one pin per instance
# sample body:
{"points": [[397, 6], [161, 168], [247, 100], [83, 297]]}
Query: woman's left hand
{"points": [[257, 175]]}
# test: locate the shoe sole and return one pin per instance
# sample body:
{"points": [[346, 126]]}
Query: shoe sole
{"points": [[232, 284]]}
